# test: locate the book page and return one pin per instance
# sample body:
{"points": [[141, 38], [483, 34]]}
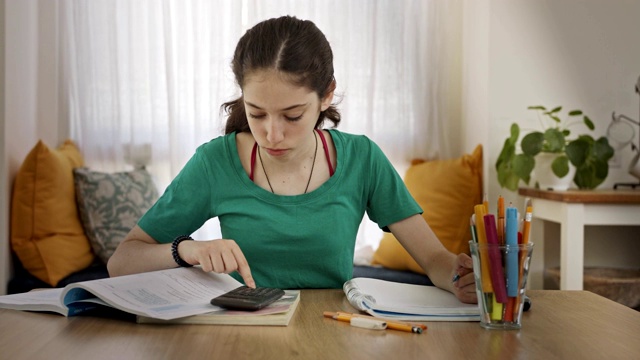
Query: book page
{"points": [[36, 300], [278, 313], [398, 300], [166, 294]]}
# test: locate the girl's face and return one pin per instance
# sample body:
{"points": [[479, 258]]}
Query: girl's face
{"points": [[281, 115]]}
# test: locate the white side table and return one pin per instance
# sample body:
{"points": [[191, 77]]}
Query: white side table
{"points": [[573, 209]]}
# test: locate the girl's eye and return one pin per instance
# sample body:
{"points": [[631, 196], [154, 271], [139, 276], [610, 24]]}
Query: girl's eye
{"points": [[290, 118], [262, 116]]}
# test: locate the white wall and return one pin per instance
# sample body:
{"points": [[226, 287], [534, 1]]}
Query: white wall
{"points": [[576, 53], [30, 97]]}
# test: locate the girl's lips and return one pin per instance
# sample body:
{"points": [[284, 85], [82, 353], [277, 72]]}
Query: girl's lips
{"points": [[275, 152]]}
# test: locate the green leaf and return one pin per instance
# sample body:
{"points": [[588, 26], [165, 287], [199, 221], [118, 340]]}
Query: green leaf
{"points": [[554, 140], [556, 119], [601, 169], [515, 133], [591, 174], [539, 107], [587, 176], [512, 181], [589, 123], [503, 173], [555, 110], [532, 143], [575, 112], [584, 177], [602, 150], [507, 153], [506, 177], [577, 151], [587, 138], [523, 165], [560, 166]]}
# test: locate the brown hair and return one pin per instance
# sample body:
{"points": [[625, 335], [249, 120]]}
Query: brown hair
{"points": [[289, 45]]}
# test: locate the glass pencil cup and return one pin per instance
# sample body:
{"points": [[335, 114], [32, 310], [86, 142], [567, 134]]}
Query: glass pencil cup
{"points": [[501, 273]]}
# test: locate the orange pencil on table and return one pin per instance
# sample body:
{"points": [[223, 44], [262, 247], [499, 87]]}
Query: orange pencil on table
{"points": [[339, 317], [422, 326], [393, 325], [404, 327]]}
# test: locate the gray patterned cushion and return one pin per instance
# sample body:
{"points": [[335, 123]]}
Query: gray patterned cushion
{"points": [[111, 204]]}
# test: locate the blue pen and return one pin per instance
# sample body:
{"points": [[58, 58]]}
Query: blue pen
{"points": [[511, 235]]}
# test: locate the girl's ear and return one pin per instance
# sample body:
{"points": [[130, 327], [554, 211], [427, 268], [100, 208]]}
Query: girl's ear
{"points": [[326, 101]]}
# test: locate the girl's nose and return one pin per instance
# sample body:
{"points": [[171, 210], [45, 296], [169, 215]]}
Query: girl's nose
{"points": [[275, 131]]}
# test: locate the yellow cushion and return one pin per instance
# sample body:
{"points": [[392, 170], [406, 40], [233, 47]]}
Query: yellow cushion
{"points": [[46, 232], [447, 191]]}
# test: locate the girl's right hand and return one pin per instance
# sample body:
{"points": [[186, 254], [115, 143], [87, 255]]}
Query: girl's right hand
{"points": [[220, 256]]}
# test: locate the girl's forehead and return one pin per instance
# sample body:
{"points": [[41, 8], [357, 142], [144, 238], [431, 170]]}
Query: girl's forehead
{"points": [[265, 87], [270, 75]]}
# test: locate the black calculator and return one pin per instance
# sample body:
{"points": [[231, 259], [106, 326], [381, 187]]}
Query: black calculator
{"points": [[246, 298]]}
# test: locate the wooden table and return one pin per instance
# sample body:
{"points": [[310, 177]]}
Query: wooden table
{"points": [[573, 210], [560, 325]]}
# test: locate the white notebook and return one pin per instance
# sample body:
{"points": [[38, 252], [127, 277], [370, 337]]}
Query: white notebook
{"points": [[407, 302]]}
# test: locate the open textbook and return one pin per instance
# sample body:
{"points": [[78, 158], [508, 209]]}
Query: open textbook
{"points": [[407, 302], [181, 293], [278, 313]]}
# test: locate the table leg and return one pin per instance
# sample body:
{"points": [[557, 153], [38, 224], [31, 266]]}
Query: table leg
{"points": [[572, 247]]}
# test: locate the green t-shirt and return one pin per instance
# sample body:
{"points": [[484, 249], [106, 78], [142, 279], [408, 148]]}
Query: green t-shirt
{"points": [[290, 242]]}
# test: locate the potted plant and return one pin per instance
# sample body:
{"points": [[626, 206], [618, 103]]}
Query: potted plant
{"points": [[589, 156]]}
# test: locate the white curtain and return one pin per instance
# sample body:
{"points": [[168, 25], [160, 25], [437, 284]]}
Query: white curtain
{"points": [[149, 71]]}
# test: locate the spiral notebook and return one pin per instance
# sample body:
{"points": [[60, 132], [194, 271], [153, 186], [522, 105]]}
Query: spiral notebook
{"points": [[407, 302]]}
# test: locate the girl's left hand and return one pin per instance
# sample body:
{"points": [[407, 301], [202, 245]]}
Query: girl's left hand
{"points": [[464, 286]]}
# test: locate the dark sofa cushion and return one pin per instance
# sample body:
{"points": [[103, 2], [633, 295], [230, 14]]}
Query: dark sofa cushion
{"points": [[22, 281]]}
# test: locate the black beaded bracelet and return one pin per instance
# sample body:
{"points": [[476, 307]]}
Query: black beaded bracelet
{"points": [[174, 250]]}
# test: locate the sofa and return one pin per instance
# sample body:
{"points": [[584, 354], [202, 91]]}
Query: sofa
{"points": [[23, 281], [66, 220]]}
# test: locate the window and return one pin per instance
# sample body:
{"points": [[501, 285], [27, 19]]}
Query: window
{"points": [[157, 71]]}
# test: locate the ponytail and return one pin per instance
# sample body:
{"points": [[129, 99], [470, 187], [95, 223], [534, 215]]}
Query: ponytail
{"points": [[237, 118]]}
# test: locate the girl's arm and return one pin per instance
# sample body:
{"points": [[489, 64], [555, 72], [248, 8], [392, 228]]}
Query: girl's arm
{"points": [[139, 252], [440, 265]]}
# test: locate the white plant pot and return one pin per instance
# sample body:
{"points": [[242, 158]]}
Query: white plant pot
{"points": [[545, 177]]}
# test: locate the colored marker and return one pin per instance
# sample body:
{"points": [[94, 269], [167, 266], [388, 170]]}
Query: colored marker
{"points": [[480, 212], [526, 225], [495, 257], [512, 251], [501, 239]]}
